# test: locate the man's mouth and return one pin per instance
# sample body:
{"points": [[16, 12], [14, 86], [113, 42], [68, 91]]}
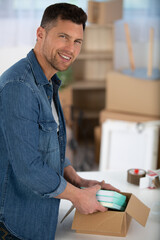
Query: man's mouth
{"points": [[65, 56]]}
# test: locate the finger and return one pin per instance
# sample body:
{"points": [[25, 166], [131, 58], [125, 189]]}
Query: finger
{"points": [[113, 188], [97, 187], [102, 208], [110, 187], [102, 183]]}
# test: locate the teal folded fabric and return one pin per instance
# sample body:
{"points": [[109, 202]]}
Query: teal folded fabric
{"points": [[111, 199], [113, 206]]}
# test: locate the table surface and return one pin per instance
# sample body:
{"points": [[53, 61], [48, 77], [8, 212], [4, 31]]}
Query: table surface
{"points": [[150, 197]]}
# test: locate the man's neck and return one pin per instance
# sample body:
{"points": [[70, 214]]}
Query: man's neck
{"points": [[47, 69]]}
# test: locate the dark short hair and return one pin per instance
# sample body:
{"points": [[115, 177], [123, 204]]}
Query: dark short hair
{"points": [[64, 11]]}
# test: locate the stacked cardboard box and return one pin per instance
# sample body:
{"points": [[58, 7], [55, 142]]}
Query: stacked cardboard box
{"points": [[96, 59], [128, 94], [104, 12], [131, 99], [89, 72], [130, 117]]}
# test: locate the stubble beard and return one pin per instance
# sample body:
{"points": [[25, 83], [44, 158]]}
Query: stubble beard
{"points": [[57, 65]]}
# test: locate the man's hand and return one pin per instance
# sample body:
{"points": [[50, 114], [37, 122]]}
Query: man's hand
{"points": [[72, 177], [86, 203], [105, 186], [108, 186], [84, 200]]}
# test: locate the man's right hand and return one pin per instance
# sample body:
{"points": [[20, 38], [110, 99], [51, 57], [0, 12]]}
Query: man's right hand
{"points": [[86, 202], [83, 199]]}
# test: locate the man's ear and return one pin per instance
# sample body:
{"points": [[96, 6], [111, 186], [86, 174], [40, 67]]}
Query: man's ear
{"points": [[40, 33]]}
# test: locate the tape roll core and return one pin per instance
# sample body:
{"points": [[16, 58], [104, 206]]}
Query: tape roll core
{"points": [[134, 175]]}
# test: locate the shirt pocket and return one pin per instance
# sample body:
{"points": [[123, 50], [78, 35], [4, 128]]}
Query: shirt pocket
{"points": [[48, 139]]}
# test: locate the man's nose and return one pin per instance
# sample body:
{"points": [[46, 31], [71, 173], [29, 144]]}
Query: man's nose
{"points": [[70, 46]]}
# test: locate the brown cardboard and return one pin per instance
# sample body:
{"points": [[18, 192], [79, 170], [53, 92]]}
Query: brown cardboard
{"points": [[98, 41], [132, 95], [106, 114], [105, 12], [137, 210], [112, 223], [94, 69]]}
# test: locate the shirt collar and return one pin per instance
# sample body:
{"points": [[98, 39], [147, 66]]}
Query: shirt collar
{"points": [[38, 72]]}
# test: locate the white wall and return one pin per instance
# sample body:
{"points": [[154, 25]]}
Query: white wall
{"points": [[9, 56]]}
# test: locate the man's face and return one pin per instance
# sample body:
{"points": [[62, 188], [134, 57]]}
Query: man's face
{"points": [[61, 44]]}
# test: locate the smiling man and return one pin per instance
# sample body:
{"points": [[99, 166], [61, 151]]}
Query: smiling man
{"points": [[58, 45], [34, 173]]}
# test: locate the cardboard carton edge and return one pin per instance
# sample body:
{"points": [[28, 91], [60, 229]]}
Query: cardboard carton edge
{"points": [[138, 210], [79, 219]]}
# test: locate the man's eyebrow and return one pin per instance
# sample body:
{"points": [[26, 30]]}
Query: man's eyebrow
{"points": [[77, 39]]}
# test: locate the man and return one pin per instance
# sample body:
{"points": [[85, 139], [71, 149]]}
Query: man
{"points": [[34, 173]]}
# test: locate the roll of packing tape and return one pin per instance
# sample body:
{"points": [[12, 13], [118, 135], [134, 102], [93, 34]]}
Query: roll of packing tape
{"points": [[134, 175]]}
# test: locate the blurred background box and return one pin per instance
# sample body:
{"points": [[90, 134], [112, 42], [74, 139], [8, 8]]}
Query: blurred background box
{"points": [[92, 68], [132, 95], [98, 38], [106, 114], [89, 74], [126, 145], [96, 57], [103, 12]]}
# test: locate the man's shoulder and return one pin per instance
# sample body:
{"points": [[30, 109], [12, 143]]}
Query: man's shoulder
{"points": [[20, 71], [17, 70]]}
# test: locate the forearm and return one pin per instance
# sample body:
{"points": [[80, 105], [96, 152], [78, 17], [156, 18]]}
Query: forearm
{"points": [[84, 200], [70, 193], [71, 176]]}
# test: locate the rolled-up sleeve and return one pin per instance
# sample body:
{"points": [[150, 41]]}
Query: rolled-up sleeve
{"points": [[59, 190], [67, 162], [20, 111]]}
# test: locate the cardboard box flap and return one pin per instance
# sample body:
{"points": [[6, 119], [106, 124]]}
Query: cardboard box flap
{"points": [[110, 222], [137, 210]]}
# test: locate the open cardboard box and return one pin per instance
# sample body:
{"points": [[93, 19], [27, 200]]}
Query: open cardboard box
{"points": [[112, 223]]}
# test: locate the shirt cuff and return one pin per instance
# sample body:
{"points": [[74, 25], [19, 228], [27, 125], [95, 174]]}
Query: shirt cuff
{"points": [[59, 190], [67, 162]]}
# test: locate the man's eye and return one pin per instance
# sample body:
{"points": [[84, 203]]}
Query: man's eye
{"points": [[78, 42], [62, 36]]}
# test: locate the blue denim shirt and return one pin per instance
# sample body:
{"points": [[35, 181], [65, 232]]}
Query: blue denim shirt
{"points": [[32, 154]]}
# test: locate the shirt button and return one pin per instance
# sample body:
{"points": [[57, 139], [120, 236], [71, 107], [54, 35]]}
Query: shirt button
{"points": [[48, 97]]}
